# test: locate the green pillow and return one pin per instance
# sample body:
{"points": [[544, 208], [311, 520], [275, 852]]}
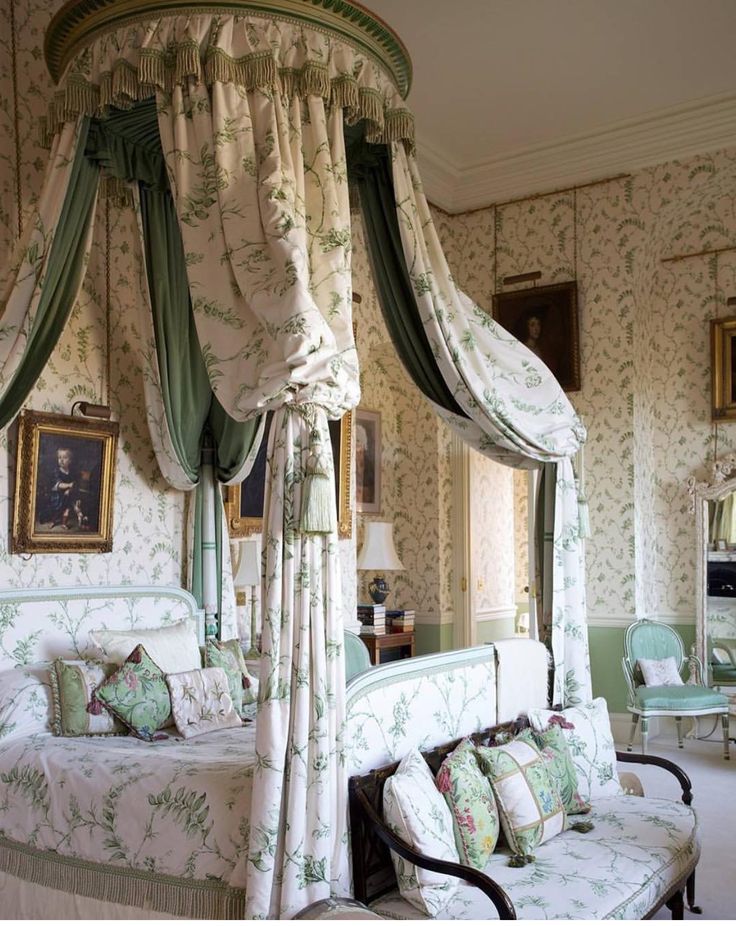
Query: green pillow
{"points": [[76, 710], [137, 694], [469, 796], [250, 684], [553, 745], [219, 656], [528, 803]]}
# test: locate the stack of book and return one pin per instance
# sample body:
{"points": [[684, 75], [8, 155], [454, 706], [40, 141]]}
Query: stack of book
{"points": [[400, 620], [372, 619]]}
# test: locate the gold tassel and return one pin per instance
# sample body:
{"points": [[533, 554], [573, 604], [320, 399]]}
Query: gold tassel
{"points": [[314, 80], [188, 63], [151, 68], [344, 93], [259, 71]]}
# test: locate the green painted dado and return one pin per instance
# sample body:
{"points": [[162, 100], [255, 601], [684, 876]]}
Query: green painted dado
{"points": [[433, 638], [606, 652], [490, 631]]}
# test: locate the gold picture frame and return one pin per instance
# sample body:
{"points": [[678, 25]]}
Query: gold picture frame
{"points": [[244, 502], [64, 484], [723, 367]]}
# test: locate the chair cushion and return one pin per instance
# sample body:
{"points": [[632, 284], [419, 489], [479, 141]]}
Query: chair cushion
{"points": [[639, 848], [660, 671], [676, 698]]}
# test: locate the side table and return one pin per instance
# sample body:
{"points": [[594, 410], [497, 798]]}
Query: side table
{"points": [[403, 640]]}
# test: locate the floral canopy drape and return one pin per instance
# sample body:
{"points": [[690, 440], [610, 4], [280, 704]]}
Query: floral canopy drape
{"points": [[251, 112]]}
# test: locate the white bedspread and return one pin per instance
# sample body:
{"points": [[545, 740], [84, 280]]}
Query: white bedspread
{"points": [[175, 807]]}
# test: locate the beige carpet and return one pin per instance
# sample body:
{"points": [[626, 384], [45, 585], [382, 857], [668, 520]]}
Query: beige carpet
{"points": [[714, 799]]}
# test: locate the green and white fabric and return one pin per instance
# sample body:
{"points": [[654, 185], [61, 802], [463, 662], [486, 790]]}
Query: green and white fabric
{"points": [[529, 804], [224, 659], [514, 411], [415, 810], [587, 730], [137, 695], [638, 850], [473, 807], [201, 702], [25, 701], [77, 712], [560, 766]]}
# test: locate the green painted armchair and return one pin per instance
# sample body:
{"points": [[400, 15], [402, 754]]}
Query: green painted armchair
{"points": [[647, 639]]}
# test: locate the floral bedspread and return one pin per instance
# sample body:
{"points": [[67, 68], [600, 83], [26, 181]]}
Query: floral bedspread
{"points": [[177, 807]]}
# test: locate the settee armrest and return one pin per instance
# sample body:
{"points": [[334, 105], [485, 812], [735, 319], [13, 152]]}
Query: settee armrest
{"points": [[496, 894], [671, 767]]}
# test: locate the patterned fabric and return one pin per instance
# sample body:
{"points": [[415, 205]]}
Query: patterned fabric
{"points": [[137, 694], [470, 798], [638, 850], [587, 730], [77, 712], [224, 659], [560, 766], [25, 701], [249, 682], [516, 410], [660, 671], [529, 805], [180, 808], [173, 648], [201, 702], [415, 810]]}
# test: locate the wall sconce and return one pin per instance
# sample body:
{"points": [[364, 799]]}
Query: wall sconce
{"points": [[93, 411]]}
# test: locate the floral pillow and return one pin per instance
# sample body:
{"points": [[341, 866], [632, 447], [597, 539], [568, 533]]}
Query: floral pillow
{"points": [[553, 746], [660, 671], [201, 702], [470, 798], [77, 712], [529, 804], [416, 811], [220, 658], [587, 731], [250, 684], [137, 694]]}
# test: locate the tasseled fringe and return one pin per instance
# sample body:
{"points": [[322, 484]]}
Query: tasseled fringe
{"points": [[152, 68], [583, 826], [254, 72], [345, 93], [519, 861], [125, 82], [188, 63], [314, 80], [116, 191], [370, 105], [110, 883], [318, 514]]}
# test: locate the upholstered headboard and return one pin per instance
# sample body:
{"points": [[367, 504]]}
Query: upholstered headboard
{"points": [[37, 625]]}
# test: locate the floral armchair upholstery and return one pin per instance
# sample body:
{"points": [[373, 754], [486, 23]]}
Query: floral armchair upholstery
{"points": [[654, 640]]}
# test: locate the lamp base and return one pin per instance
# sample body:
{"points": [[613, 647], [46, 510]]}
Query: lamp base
{"points": [[378, 589]]}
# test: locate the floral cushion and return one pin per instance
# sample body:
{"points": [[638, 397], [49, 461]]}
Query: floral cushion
{"points": [[470, 798], [249, 684], [660, 671], [639, 849], [220, 658], [416, 811], [137, 694], [553, 746], [77, 712], [25, 701], [587, 730], [529, 805], [201, 702]]}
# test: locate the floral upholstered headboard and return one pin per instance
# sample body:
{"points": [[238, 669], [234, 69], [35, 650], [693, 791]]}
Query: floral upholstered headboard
{"points": [[39, 625], [418, 703]]}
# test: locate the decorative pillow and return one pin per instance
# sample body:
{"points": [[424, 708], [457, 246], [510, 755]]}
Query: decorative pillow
{"points": [[77, 712], [137, 694], [219, 658], [660, 671], [553, 746], [25, 701], [173, 648], [529, 805], [416, 811], [470, 798], [250, 683], [201, 702], [587, 730]]}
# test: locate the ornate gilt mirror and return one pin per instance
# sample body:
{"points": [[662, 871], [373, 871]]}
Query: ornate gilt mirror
{"points": [[715, 521]]}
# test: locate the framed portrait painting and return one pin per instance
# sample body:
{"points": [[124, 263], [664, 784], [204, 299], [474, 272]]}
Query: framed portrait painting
{"points": [[367, 460], [64, 484], [723, 367], [244, 502], [545, 319]]}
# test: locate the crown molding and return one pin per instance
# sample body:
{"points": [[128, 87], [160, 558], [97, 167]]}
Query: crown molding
{"points": [[669, 134]]}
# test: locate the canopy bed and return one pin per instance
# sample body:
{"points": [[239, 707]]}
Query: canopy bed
{"points": [[233, 129]]}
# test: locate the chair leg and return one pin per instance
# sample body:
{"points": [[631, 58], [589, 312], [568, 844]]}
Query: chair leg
{"points": [[678, 724], [690, 892], [634, 721], [725, 727], [644, 734]]}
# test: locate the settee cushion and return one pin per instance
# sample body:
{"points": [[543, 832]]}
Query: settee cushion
{"points": [[639, 848]]}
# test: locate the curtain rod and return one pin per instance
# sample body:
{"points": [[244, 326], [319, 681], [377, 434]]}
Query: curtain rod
{"points": [[679, 257], [533, 196]]}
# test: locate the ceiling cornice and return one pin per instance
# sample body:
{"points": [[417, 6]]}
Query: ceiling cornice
{"points": [[669, 134]]}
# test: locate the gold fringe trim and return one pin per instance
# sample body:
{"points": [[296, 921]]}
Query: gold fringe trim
{"points": [[116, 191], [124, 85], [113, 884]]}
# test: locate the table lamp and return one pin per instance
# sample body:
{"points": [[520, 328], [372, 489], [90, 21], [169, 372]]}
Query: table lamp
{"points": [[248, 573], [378, 552]]}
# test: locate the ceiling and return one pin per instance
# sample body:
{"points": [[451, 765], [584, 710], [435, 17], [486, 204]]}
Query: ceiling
{"points": [[513, 97]]}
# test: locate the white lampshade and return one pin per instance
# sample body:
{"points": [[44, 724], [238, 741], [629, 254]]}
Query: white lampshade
{"points": [[378, 551], [249, 567]]}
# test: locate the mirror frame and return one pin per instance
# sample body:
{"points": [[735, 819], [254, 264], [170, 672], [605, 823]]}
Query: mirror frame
{"points": [[723, 481]]}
